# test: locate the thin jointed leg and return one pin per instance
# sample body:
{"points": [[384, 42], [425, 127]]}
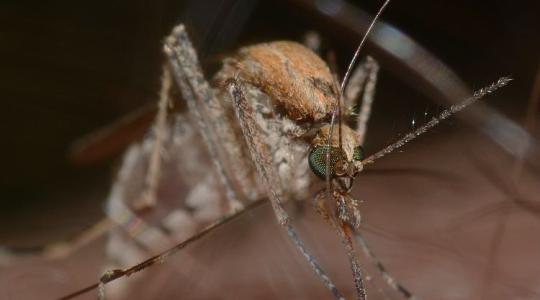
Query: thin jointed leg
{"points": [[344, 232], [200, 98], [388, 279], [148, 197], [260, 153], [363, 81]]}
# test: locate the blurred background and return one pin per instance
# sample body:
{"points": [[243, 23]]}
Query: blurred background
{"points": [[71, 69]]}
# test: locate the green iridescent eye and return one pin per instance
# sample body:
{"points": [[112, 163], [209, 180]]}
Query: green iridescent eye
{"points": [[317, 160], [358, 153]]}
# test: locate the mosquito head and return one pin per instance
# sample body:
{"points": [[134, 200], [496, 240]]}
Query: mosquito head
{"points": [[345, 160], [340, 156]]}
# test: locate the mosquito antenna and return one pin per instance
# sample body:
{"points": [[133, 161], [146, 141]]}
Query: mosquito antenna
{"points": [[329, 143], [334, 69], [160, 258], [360, 46], [436, 120], [342, 89]]}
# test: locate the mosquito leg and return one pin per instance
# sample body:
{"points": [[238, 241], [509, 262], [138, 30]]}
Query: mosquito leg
{"points": [[161, 258], [388, 279], [202, 105], [64, 248], [260, 153], [148, 197], [355, 87], [363, 80], [344, 233], [135, 238], [367, 99], [131, 238], [349, 212]]}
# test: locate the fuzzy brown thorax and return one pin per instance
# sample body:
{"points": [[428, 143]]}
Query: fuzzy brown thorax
{"points": [[298, 80]]}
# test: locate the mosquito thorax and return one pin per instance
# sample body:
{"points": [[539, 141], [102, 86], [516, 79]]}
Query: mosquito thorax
{"points": [[345, 157], [297, 80]]}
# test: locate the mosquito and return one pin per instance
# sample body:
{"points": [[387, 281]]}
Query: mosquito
{"points": [[275, 112]]}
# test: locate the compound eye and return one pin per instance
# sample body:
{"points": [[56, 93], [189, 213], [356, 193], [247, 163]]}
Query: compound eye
{"points": [[358, 154], [317, 160]]}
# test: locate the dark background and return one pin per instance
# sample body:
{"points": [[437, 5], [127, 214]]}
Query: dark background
{"points": [[69, 68]]}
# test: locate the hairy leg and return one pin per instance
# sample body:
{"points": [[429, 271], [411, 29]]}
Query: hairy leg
{"points": [[344, 232], [363, 81], [260, 153], [134, 235], [349, 212], [148, 197], [388, 279], [203, 106]]}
